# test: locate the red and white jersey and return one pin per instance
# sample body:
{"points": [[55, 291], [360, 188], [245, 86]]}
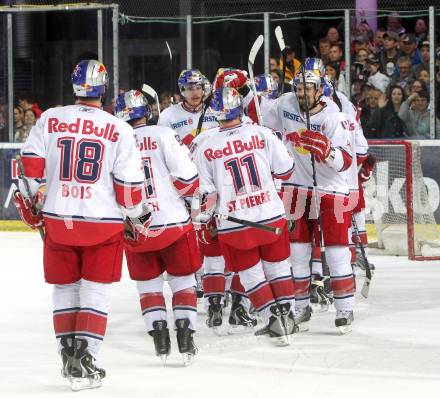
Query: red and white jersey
{"points": [[361, 143], [239, 164], [286, 116], [184, 121], [170, 175], [93, 167]]}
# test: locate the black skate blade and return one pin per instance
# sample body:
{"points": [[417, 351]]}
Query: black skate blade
{"points": [[84, 383]]}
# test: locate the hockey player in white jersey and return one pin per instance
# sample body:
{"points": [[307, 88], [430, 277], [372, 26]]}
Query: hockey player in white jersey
{"points": [[321, 295], [217, 279], [360, 173], [171, 243], [236, 165], [184, 117], [94, 180], [329, 141]]}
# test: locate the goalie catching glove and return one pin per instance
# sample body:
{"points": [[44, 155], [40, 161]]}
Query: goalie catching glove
{"points": [[31, 217], [136, 228], [318, 144]]}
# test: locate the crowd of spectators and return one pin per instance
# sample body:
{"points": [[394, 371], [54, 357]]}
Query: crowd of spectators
{"points": [[390, 77]]}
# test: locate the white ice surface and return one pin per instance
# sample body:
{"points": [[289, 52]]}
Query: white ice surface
{"points": [[394, 350]]}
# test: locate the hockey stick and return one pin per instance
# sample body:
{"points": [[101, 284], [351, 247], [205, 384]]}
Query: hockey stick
{"points": [[251, 60], [206, 104], [274, 230], [325, 269], [282, 44], [153, 94], [172, 72], [366, 287], [28, 191]]}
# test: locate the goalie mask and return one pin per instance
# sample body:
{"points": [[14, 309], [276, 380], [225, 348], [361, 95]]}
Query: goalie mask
{"points": [[132, 105], [266, 86], [89, 79], [193, 77], [227, 104]]}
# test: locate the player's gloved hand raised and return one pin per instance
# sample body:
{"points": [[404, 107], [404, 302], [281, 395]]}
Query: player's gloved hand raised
{"points": [[316, 143], [234, 78], [136, 228], [367, 168], [29, 217]]}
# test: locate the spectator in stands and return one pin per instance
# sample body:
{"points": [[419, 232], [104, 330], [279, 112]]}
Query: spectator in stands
{"points": [[404, 75], [414, 112], [19, 128], [359, 88], [376, 78], [378, 40], [276, 76], [370, 105], [394, 23], [292, 64], [421, 30], [416, 86], [165, 100], [333, 35], [324, 48], [360, 43], [384, 121], [424, 58], [273, 64], [27, 101], [423, 75], [30, 118], [333, 72], [361, 58], [390, 54], [408, 46], [365, 30], [335, 54]]}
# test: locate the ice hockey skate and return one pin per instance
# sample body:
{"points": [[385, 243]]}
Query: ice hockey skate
{"points": [[85, 373], [239, 318], [161, 338], [302, 318], [185, 341], [288, 320], [215, 313], [67, 353], [321, 295], [343, 321], [275, 328]]}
